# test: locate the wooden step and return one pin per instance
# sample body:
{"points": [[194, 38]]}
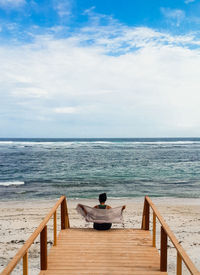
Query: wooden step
{"points": [[116, 251]]}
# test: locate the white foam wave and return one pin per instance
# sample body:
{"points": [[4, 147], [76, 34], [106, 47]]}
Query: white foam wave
{"points": [[8, 183], [102, 142], [77, 143], [182, 142]]}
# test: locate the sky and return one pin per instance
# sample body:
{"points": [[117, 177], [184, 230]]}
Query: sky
{"points": [[99, 68]]}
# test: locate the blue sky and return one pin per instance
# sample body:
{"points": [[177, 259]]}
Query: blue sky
{"points": [[101, 68]]}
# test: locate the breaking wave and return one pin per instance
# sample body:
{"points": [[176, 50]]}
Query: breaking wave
{"points": [[8, 183]]}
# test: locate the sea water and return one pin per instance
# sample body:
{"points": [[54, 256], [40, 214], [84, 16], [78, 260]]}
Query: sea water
{"points": [[83, 168]]}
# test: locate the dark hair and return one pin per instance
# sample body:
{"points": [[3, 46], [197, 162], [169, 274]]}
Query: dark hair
{"points": [[102, 197]]}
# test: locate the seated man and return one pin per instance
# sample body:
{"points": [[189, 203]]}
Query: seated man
{"points": [[101, 220], [102, 205]]}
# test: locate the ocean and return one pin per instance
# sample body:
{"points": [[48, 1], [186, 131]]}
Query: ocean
{"points": [[83, 168]]}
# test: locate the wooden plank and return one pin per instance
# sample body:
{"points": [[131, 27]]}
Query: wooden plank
{"points": [[73, 262], [86, 251], [102, 272]]}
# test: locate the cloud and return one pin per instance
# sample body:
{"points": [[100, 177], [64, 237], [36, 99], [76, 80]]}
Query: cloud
{"points": [[30, 92], [12, 4], [175, 15], [108, 80], [63, 8]]}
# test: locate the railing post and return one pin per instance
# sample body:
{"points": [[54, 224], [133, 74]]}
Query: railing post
{"points": [[179, 264], [55, 229], [25, 264], [43, 249], [146, 215], [64, 215], [67, 216], [154, 230], [163, 250]]}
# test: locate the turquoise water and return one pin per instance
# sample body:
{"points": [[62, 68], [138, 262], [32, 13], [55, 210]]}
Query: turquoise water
{"points": [[82, 168]]}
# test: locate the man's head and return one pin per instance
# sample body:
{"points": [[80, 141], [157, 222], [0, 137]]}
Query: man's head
{"points": [[102, 197]]}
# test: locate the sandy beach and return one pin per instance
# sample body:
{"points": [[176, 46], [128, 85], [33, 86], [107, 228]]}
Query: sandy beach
{"points": [[20, 218]]}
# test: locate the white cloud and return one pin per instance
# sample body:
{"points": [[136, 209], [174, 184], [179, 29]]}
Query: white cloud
{"points": [[175, 15], [12, 4], [31, 92], [148, 84], [63, 8]]}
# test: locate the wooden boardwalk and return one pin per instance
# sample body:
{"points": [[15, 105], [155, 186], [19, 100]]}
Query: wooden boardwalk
{"points": [[113, 252], [116, 251]]}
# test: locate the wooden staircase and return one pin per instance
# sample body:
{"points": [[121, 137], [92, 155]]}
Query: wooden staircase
{"points": [[111, 252], [116, 251]]}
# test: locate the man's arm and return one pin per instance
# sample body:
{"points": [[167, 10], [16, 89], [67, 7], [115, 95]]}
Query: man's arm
{"points": [[82, 207]]}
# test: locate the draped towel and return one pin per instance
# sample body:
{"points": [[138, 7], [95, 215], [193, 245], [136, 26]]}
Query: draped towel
{"points": [[112, 215]]}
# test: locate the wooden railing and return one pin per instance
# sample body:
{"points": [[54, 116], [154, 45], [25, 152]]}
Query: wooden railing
{"points": [[42, 230], [165, 233]]}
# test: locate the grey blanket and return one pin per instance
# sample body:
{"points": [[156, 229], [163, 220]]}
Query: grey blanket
{"points": [[112, 215]]}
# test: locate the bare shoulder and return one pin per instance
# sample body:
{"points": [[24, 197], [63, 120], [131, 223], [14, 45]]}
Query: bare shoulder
{"points": [[96, 206], [108, 207]]}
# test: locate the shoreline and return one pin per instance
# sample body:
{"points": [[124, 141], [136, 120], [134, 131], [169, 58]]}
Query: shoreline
{"points": [[139, 198], [20, 218]]}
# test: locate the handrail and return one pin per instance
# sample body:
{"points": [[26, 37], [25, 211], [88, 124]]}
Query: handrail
{"points": [[40, 230], [166, 232]]}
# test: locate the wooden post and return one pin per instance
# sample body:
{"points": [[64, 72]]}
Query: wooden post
{"points": [[143, 217], [179, 264], [63, 214], [146, 215], [163, 250], [25, 264], [55, 229], [43, 249], [67, 216], [154, 230]]}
